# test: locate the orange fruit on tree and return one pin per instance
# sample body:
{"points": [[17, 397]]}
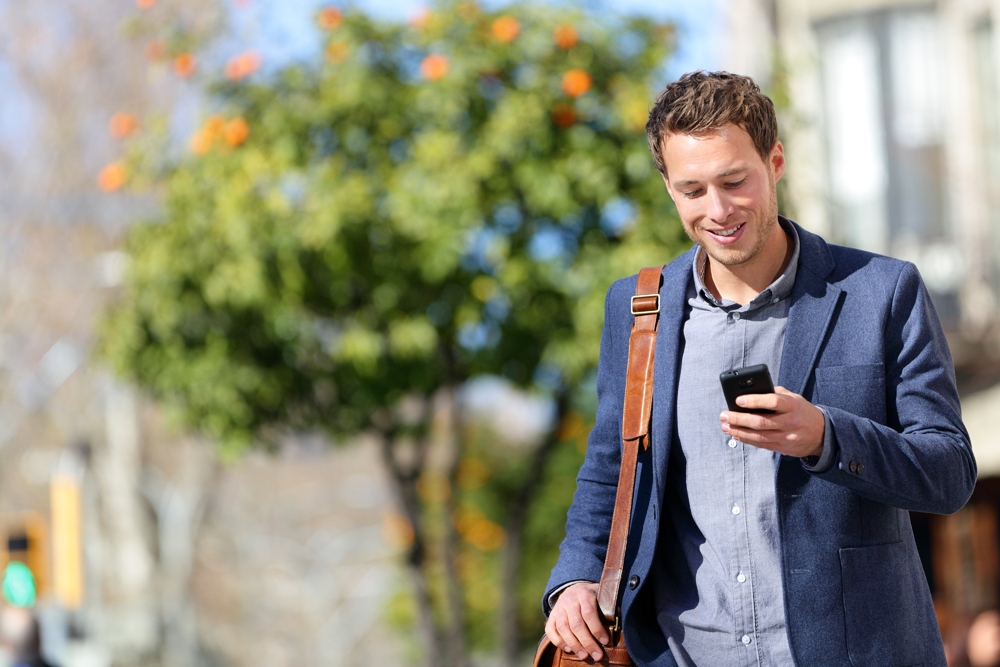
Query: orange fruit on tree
{"points": [[563, 115], [576, 82], [112, 177], [336, 52], [184, 65], [236, 131], [565, 36], [201, 142], [329, 18], [434, 67], [505, 29], [122, 125], [213, 125], [243, 65]]}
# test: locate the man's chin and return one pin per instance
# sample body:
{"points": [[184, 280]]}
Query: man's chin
{"points": [[726, 256]]}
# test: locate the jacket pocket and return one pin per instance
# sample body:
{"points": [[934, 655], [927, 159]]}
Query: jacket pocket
{"points": [[859, 390], [887, 609]]}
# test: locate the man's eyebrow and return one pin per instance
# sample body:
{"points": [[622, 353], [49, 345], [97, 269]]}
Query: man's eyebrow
{"points": [[724, 174]]}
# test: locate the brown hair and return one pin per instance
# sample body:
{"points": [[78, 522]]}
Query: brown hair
{"points": [[704, 101]]}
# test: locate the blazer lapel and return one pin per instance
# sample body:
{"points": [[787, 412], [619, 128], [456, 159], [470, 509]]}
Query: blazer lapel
{"points": [[814, 301], [666, 365]]}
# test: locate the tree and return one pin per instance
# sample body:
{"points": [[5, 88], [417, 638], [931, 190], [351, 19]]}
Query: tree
{"points": [[350, 242]]}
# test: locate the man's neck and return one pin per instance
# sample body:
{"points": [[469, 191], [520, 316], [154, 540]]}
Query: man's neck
{"points": [[741, 283]]}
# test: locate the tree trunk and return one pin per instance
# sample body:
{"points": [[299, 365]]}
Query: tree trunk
{"points": [[456, 617], [131, 608], [511, 562], [404, 486]]}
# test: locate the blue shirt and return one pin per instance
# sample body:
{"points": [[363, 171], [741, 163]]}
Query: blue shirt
{"points": [[717, 582]]}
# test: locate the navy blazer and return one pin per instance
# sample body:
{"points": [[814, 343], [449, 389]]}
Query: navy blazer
{"points": [[863, 341]]}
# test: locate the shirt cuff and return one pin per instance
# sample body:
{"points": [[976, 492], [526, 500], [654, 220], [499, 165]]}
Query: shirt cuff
{"points": [[823, 462], [555, 594]]}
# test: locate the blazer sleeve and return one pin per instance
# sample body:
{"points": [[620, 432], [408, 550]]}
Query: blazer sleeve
{"points": [[921, 458], [588, 522]]}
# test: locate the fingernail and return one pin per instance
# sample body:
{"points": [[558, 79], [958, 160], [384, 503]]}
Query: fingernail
{"points": [[582, 655], [724, 417], [605, 640], [725, 428], [596, 655], [566, 648]]}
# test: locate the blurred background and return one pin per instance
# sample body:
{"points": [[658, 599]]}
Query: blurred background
{"points": [[301, 301]]}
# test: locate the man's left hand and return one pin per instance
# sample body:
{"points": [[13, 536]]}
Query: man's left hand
{"points": [[795, 428]]}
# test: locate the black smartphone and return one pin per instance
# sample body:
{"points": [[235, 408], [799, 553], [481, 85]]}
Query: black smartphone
{"points": [[749, 380]]}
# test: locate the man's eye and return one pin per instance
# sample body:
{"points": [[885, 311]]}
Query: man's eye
{"points": [[736, 184], [691, 194]]}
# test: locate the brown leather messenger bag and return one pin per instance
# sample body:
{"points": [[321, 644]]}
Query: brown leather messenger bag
{"points": [[635, 434]]}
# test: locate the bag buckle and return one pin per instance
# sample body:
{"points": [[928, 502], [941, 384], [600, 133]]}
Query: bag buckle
{"points": [[642, 310]]}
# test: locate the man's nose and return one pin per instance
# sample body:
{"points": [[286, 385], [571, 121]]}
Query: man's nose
{"points": [[719, 205]]}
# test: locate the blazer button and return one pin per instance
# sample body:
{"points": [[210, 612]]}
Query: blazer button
{"points": [[854, 466], [633, 582], [861, 468]]}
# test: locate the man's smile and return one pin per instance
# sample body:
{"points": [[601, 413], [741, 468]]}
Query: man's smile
{"points": [[726, 232], [727, 236]]}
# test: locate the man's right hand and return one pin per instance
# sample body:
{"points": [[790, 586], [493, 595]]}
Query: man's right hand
{"points": [[575, 622]]}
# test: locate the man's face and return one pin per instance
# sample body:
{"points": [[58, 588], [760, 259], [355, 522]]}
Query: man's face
{"points": [[724, 192]]}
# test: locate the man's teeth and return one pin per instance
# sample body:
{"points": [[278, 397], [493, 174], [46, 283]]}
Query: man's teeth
{"points": [[731, 231]]}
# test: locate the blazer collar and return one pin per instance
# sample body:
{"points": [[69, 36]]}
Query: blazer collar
{"points": [[814, 300]]}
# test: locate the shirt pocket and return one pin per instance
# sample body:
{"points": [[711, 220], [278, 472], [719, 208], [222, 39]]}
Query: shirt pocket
{"points": [[859, 390]]}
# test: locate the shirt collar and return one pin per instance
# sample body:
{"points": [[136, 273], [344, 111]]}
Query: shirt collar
{"points": [[776, 291]]}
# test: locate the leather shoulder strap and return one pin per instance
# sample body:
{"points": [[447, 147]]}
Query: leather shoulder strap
{"points": [[635, 429]]}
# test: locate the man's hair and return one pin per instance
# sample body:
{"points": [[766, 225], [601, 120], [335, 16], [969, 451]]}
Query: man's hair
{"points": [[704, 101]]}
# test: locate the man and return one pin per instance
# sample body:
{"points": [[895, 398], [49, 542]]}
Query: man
{"points": [[772, 539]]}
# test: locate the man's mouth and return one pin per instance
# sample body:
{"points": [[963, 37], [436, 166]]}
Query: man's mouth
{"points": [[728, 232]]}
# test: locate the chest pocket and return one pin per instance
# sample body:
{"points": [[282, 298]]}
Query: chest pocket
{"points": [[859, 390]]}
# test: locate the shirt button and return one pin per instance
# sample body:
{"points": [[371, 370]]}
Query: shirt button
{"points": [[633, 582], [736, 316], [732, 442], [736, 509], [741, 577], [745, 639]]}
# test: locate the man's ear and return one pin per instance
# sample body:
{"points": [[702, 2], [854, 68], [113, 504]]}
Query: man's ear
{"points": [[778, 160]]}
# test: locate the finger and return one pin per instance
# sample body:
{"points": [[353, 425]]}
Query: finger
{"points": [[592, 617], [750, 421], [585, 638], [751, 435], [553, 633], [569, 641], [759, 401]]}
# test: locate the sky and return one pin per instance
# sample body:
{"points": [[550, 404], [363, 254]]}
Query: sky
{"points": [[290, 25]]}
